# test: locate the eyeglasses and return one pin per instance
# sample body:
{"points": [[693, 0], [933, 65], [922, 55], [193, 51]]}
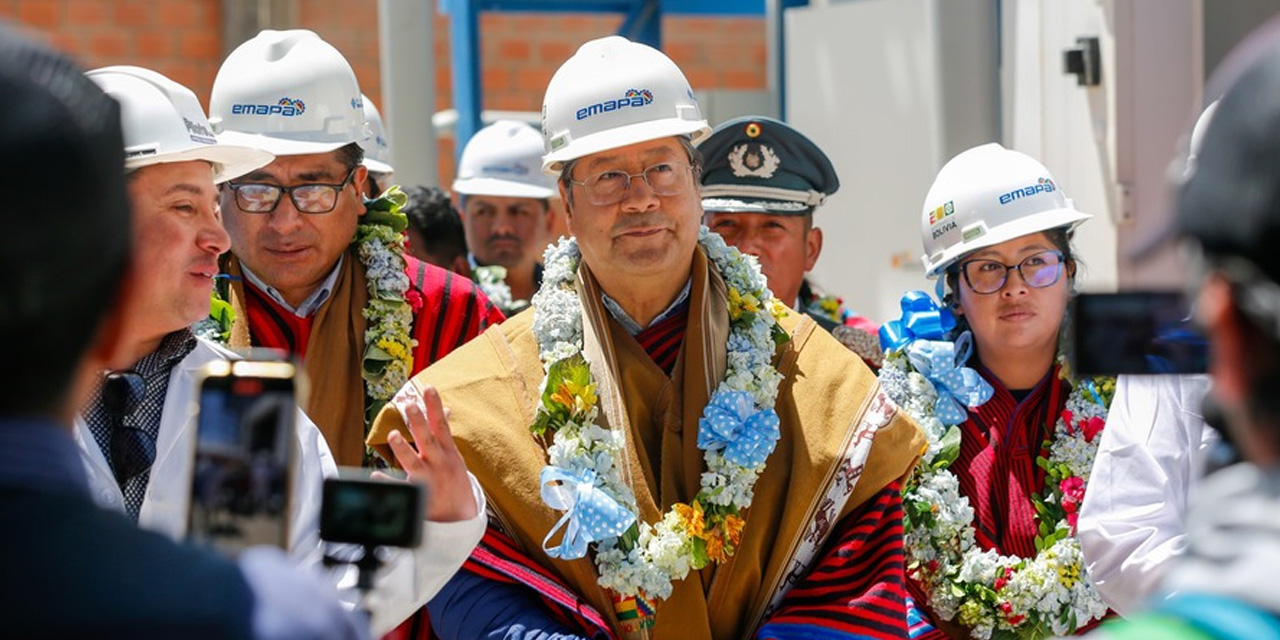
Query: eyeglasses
{"points": [[254, 197], [611, 187], [1039, 270], [133, 450]]}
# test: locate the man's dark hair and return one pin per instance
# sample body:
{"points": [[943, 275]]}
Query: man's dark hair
{"points": [[432, 215], [64, 221], [350, 155]]}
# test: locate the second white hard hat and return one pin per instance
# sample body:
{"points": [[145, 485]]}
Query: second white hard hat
{"points": [[290, 93], [613, 93], [504, 159], [377, 154], [162, 122], [985, 196]]}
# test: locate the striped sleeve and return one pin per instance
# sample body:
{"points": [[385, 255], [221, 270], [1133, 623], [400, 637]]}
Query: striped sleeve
{"points": [[857, 589], [453, 312]]}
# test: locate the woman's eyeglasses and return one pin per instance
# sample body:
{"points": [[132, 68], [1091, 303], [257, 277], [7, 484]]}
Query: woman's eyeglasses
{"points": [[1039, 270]]}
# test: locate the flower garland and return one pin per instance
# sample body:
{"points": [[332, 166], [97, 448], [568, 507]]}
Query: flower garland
{"points": [[388, 343], [492, 280], [737, 432], [997, 596]]}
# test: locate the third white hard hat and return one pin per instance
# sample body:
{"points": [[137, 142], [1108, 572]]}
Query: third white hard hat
{"points": [[613, 93], [504, 159], [985, 196], [162, 122], [290, 93], [377, 157]]}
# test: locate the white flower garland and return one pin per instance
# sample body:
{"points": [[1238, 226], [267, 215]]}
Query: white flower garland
{"points": [[1000, 596], [639, 559]]}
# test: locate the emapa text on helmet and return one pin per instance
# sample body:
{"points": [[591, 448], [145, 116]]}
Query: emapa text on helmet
{"points": [[633, 98], [1043, 185], [285, 107]]}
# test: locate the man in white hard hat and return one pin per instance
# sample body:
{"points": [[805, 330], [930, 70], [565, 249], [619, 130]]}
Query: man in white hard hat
{"points": [[680, 456], [504, 200], [311, 272], [762, 183], [138, 431], [377, 157], [73, 569]]}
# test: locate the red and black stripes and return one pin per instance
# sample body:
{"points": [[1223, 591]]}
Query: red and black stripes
{"points": [[662, 340], [858, 587], [453, 312], [271, 325]]}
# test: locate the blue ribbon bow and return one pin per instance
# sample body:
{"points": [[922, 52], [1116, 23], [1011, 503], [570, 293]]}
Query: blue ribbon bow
{"points": [[958, 386], [731, 422], [922, 319], [590, 514]]}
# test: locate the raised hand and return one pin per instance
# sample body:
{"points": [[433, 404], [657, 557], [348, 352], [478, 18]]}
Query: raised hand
{"points": [[435, 461]]}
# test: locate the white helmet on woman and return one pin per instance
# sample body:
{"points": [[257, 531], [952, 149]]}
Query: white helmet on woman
{"points": [[288, 92], [613, 93], [163, 122], [985, 196]]}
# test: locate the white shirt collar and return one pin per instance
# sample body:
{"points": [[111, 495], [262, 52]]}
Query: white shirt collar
{"points": [[312, 302], [634, 327]]}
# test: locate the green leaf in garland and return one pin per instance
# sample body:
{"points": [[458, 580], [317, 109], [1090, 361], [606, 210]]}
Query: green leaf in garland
{"points": [[949, 450]]}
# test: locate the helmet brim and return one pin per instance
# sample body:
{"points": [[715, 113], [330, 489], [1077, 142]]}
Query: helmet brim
{"points": [[279, 146], [377, 166], [1044, 221], [229, 161], [622, 137], [501, 188]]}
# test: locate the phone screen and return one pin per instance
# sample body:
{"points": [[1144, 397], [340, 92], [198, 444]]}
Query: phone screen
{"points": [[1136, 333], [241, 480]]}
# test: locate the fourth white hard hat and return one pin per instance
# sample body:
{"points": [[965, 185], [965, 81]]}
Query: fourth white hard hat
{"points": [[377, 157], [504, 159], [162, 122], [985, 196], [290, 93], [613, 93]]}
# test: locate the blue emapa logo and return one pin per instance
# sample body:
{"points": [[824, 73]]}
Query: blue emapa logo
{"points": [[1043, 185], [633, 98]]}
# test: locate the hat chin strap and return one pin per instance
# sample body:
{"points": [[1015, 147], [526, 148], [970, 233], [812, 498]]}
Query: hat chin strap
{"points": [[810, 198]]}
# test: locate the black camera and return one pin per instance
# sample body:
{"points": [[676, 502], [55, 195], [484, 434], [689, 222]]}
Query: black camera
{"points": [[372, 513], [1135, 333]]}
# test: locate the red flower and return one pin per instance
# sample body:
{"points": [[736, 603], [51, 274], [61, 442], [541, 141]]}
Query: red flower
{"points": [[414, 298], [1072, 518], [1068, 419], [1072, 490], [1092, 428]]}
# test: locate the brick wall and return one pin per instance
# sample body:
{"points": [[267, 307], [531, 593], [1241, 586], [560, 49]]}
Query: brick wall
{"points": [[519, 52]]}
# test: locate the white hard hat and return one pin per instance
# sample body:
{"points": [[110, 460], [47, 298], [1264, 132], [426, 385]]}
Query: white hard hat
{"points": [[504, 159], [1197, 137], [377, 156], [288, 92], [985, 196], [163, 122], [613, 93]]}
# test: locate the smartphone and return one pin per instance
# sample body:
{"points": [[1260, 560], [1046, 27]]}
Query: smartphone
{"points": [[243, 474], [1135, 332], [372, 513]]}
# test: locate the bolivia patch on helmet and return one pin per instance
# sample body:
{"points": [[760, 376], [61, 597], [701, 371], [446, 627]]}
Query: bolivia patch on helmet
{"points": [[1043, 185], [753, 160], [945, 210], [633, 98]]}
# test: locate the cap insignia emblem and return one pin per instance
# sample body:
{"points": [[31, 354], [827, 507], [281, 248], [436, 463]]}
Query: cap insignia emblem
{"points": [[758, 162]]}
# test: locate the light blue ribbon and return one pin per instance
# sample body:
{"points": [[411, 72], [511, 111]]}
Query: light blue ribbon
{"points": [[922, 319], [590, 514], [731, 422], [958, 386]]}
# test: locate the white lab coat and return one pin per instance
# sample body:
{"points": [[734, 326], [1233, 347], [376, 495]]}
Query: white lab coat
{"points": [[408, 580], [1153, 453]]}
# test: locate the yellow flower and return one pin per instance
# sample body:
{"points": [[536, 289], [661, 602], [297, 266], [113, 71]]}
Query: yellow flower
{"points": [[739, 304], [777, 309], [733, 526], [394, 349], [691, 518], [575, 397], [1068, 575], [715, 548]]}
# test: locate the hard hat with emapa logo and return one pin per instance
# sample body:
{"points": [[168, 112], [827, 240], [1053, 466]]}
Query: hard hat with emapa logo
{"points": [[504, 159], [985, 196], [163, 122], [290, 93], [761, 165], [377, 157], [613, 93]]}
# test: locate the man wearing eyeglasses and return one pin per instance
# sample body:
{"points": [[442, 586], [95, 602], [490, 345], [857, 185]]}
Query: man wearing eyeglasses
{"points": [[137, 433], [72, 293], [310, 272], [680, 457], [761, 185]]}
